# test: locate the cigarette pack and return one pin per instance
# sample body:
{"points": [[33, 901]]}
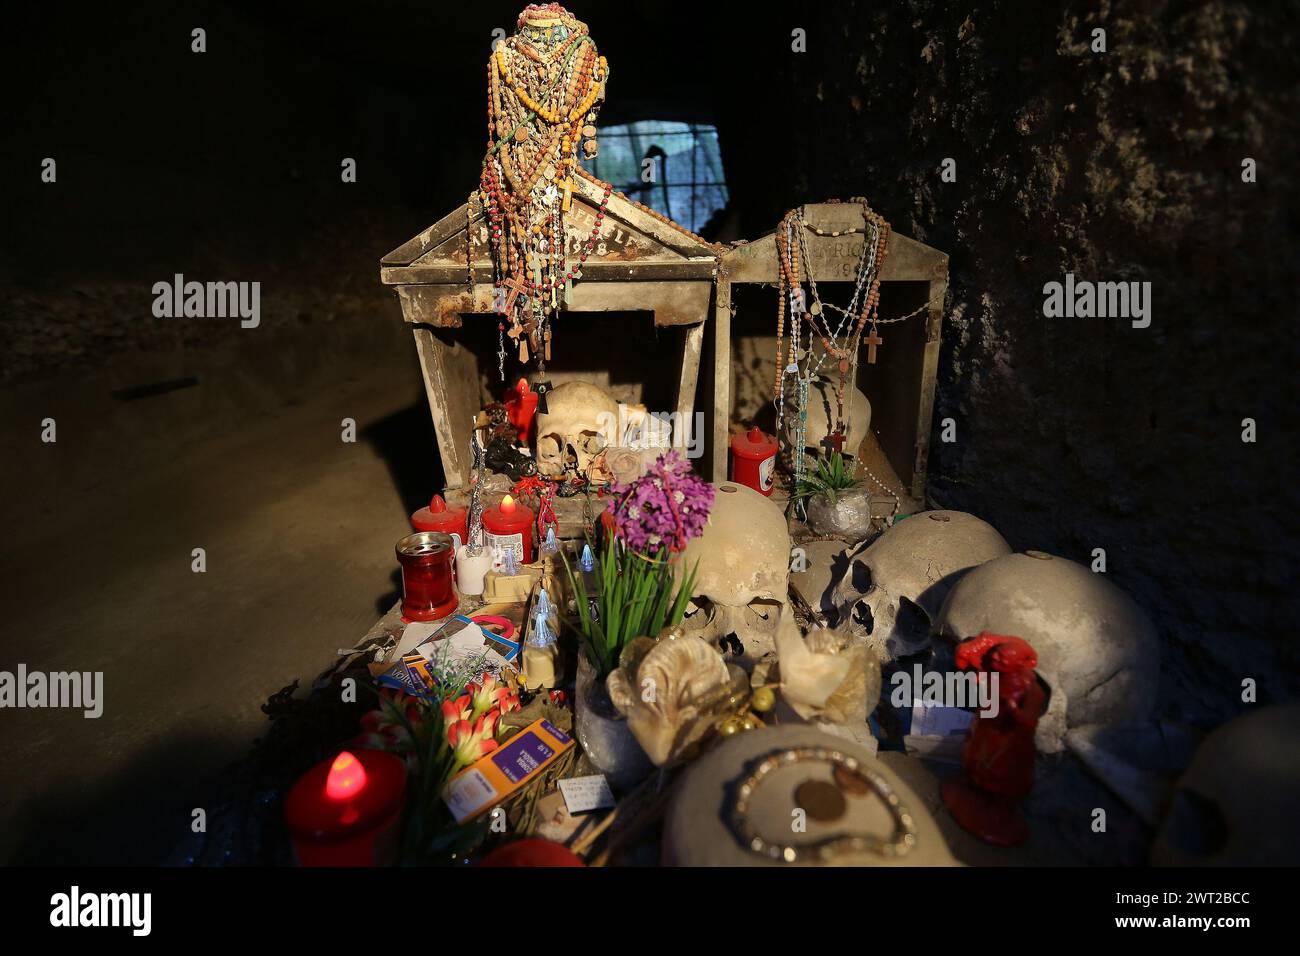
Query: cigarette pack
{"points": [[512, 766]]}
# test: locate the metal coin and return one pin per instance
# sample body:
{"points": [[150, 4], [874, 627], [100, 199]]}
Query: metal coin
{"points": [[850, 782], [820, 800]]}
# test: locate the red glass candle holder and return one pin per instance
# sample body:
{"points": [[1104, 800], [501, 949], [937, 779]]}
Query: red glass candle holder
{"points": [[427, 593]]}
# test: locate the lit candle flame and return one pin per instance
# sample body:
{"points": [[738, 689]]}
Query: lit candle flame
{"points": [[347, 777], [507, 505]]}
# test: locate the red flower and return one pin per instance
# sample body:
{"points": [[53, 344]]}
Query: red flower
{"points": [[456, 710], [471, 741]]}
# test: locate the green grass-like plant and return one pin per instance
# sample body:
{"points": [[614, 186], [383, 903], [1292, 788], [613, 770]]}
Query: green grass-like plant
{"points": [[634, 597]]}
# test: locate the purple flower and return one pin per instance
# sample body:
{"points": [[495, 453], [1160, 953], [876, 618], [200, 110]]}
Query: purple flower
{"points": [[668, 504]]}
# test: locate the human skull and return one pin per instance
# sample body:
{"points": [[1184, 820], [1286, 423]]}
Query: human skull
{"points": [[578, 424], [1235, 805], [822, 413], [893, 589], [1097, 651], [742, 581]]}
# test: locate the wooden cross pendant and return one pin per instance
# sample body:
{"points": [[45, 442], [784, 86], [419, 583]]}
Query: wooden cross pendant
{"points": [[516, 286], [872, 341]]}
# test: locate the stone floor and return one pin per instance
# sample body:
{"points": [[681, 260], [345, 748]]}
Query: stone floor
{"points": [[298, 529]]}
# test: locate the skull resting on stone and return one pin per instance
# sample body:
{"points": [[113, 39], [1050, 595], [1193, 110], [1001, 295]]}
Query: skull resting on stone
{"points": [[742, 581], [892, 589], [1236, 804], [1097, 651], [578, 424]]}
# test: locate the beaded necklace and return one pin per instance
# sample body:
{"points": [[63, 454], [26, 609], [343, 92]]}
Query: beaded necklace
{"points": [[545, 86], [842, 342]]}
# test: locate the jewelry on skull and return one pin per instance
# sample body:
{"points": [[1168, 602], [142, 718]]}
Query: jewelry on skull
{"points": [[900, 842]]}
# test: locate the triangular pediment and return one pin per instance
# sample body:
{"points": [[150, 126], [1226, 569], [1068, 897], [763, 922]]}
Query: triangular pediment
{"points": [[630, 233]]}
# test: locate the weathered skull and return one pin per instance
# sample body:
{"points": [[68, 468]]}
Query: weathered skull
{"points": [[742, 582], [578, 423], [1097, 650], [893, 589], [822, 413], [1236, 804]]}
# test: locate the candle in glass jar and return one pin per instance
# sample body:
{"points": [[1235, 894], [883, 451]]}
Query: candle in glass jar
{"points": [[347, 811], [509, 526], [426, 558]]}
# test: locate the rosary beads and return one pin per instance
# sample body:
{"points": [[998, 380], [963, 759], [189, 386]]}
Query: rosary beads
{"points": [[545, 86], [842, 342]]}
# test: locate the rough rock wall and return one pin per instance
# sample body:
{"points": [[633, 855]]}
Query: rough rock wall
{"points": [[1075, 434]]}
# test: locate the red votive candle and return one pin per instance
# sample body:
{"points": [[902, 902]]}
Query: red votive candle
{"points": [[347, 811], [426, 558], [521, 407], [510, 525], [753, 457], [448, 519]]}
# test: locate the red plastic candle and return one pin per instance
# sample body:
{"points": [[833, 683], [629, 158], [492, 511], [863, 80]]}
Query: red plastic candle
{"points": [[347, 811], [753, 456], [510, 525], [521, 407], [426, 558], [439, 516]]}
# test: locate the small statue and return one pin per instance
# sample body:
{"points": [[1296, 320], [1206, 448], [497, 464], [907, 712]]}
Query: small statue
{"points": [[494, 421], [999, 752]]}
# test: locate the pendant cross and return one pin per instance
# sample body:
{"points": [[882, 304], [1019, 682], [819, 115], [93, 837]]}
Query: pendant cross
{"points": [[516, 286], [541, 388], [872, 341]]}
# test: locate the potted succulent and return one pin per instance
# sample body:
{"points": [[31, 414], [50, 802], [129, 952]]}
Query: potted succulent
{"points": [[633, 593], [835, 502]]}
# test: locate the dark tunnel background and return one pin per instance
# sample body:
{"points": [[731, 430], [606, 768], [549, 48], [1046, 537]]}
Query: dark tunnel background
{"points": [[1073, 434]]}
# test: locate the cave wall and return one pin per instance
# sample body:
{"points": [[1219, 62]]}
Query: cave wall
{"points": [[1075, 434]]}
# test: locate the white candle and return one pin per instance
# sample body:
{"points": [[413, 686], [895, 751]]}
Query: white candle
{"points": [[470, 569]]}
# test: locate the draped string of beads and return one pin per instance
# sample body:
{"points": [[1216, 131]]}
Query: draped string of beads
{"points": [[545, 87], [842, 342]]}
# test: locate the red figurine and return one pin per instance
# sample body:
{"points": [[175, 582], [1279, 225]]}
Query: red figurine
{"points": [[521, 407], [999, 750]]}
